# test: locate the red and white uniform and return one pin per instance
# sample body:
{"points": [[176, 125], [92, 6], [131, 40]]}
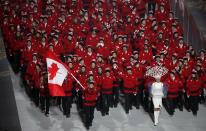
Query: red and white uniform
{"points": [[193, 87], [130, 83], [173, 87], [90, 96], [107, 84]]}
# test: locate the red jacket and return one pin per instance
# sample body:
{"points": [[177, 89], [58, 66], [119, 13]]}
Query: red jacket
{"points": [[80, 52], [82, 79], [117, 73], [27, 55], [141, 6], [68, 85], [90, 96], [193, 87], [107, 84], [17, 45], [173, 87], [41, 48], [89, 57], [125, 56], [161, 16], [181, 50], [58, 48], [31, 68], [99, 82], [43, 90], [172, 64], [92, 40], [145, 57], [165, 3], [139, 71], [36, 78], [69, 45], [204, 80], [186, 71], [130, 83]]}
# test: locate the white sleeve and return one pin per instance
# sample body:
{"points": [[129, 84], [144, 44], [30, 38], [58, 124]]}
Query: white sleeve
{"points": [[152, 89], [162, 86]]}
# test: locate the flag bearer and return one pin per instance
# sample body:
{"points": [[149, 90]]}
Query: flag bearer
{"points": [[89, 101]]}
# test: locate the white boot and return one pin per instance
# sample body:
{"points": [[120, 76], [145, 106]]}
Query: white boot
{"points": [[156, 116], [158, 113]]}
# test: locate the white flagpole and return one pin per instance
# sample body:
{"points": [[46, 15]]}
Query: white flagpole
{"points": [[76, 80]]}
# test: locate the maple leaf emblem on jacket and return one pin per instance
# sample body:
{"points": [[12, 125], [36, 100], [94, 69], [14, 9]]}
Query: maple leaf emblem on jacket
{"points": [[53, 71]]}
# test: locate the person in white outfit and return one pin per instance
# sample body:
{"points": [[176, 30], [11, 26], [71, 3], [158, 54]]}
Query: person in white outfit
{"points": [[157, 93]]}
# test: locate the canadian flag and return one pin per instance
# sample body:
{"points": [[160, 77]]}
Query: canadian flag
{"points": [[57, 72]]}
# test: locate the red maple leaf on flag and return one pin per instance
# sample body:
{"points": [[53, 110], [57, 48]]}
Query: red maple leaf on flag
{"points": [[53, 71]]}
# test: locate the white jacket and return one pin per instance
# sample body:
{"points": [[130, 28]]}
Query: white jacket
{"points": [[157, 89]]}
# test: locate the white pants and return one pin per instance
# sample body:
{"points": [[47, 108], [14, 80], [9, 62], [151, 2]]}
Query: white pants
{"points": [[157, 102]]}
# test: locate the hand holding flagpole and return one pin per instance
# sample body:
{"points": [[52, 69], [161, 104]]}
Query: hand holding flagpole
{"points": [[77, 80]]}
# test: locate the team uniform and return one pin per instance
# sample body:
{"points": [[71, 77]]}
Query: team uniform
{"points": [[174, 84], [193, 92], [101, 33], [107, 92]]}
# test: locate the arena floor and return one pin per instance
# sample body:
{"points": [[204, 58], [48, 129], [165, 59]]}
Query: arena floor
{"points": [[32, 119]]}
